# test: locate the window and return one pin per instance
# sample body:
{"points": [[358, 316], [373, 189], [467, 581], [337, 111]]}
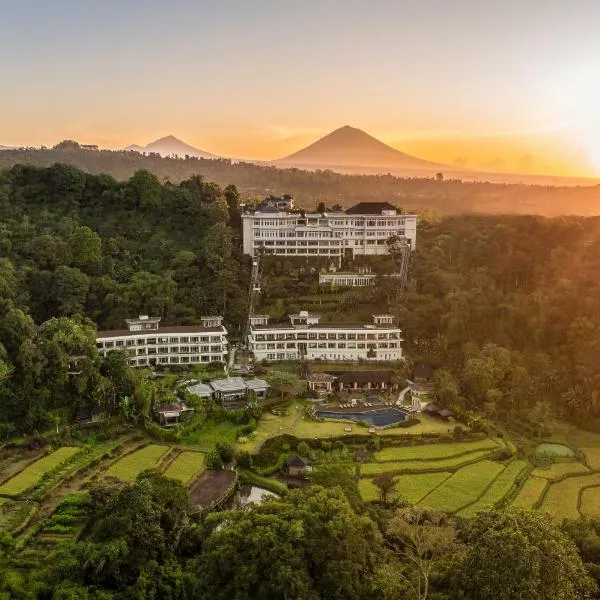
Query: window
{"points": [[173, 349]]}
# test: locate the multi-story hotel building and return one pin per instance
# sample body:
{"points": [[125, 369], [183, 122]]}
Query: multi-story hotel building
{"points": [[148, 344], [304, 337], [362, 230]]}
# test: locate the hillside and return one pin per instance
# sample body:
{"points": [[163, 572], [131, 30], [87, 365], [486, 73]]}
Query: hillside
{"points": [[416, 193], [169, 145], [348, 147]]}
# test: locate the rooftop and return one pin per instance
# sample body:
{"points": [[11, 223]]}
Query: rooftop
{"points": [[153, 332], [228, 384], [200, 389], [370, 208], [257, 384], [361, 326]]}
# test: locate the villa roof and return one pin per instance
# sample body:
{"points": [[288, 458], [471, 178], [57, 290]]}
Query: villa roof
{"points": [[160, 331], [361, 326], [228, 384], [171, 407], [319, 377], [257, 384], [366, 377], [297, 461], [369, 208], [200, 389]]}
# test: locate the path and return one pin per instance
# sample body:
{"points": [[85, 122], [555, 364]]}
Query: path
{"points": [[402, 394], [231, 360]]}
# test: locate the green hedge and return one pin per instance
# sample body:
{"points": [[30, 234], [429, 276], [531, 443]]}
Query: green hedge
{"points": [[264, 482]]}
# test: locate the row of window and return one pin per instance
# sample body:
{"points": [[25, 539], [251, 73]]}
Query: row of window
{"points": [[279, 234], [337, 222], [128, 343], [173, 350], [328, 355], [314, 335], [172, 360], [339, 345]]}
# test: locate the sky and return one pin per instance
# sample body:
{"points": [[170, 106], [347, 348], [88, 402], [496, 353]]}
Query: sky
{"points": [[507, 85]]}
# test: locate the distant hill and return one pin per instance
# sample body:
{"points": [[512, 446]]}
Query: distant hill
{"points": [[169, 145], [350, 149]]}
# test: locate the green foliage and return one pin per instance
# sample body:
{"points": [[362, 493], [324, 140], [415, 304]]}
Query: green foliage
{"points": [[214, 462], [307, 545], [226, 452], [520, 554]]}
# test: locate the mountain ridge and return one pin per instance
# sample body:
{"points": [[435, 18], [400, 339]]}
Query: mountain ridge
{"points": [[352, 147], [169, 145]]}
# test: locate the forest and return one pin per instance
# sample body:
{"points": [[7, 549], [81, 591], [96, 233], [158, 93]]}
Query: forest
{"points": [[505, 307], [424, 195]]}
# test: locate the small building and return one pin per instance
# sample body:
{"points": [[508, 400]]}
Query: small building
{"points": [[230, 392], [320, 383], [173, 413], [87, 415], [201, 390], [422, 373], [257, 387], [297, 465], [367, 380]]}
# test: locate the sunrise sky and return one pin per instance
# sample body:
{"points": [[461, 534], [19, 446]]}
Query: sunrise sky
{"points": [[511, 85]]}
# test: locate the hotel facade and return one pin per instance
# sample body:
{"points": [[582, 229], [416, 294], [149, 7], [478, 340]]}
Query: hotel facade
{"points": [[304, 337], [363, 230], [148, 344]]}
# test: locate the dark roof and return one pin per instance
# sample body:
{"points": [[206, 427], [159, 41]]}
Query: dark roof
{"points": [[423, 370], [160, 331], [297, 461], [170, 407], [366, 377], [369, 208], [87, 412]]}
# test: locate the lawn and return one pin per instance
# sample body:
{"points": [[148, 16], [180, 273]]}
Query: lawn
{"points": [[205, 435], [464, 487], [32, 474], [592, 457], [418, 465], [590, 503], [368, 490], [186, 466], [433, 451], [562, 498], [530, 493], [557, 470], [128, 467], [501, 486], [414, 488]]}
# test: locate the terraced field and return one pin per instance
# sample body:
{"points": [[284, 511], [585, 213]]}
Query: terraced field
{"points": [[500, 487], [374, 468], [531, 493], [592, 457], [130, 466], [590, 503], [33, 473], [186, 466], [433, 451], [558, 470], [414, 488], [562, 498], [463, 487]]}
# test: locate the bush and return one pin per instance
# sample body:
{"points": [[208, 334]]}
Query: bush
{"points": [[339, 446], [244, 459], [326, 446], [226, 452], [213, 461], [303, 449]]}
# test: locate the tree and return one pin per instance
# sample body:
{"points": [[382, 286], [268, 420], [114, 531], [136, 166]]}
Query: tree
{"points": [[422, 540], [287, 384], [214, 462], [307, 545], [520, 554], [70, 287], [86, 249], [385, 482], [226, 452]]}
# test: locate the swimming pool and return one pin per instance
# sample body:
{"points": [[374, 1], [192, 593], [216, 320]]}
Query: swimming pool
{"points": [[379, 417]]}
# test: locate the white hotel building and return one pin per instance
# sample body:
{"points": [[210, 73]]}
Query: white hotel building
{"points": [[304, 337], [362, 230], [148, 344]]}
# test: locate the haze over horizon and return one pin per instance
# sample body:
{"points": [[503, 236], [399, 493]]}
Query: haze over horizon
{"points": [[514, 87]]}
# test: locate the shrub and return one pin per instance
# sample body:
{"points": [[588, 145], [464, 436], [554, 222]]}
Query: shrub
{"points": [[244, 459], [303, 449], [213, 461], [339, 445], [326, 446], [226, 452]]}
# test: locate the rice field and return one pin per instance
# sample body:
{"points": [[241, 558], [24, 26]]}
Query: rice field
{"points": [[130, 466], [368, 490], [422, 466], [33, 473], [433, 451], [557, 470], [414, 488], [530, 493], [186, 466], [590, 502], [463, 487], [562, 498], [499, 488], [592, 457]]}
